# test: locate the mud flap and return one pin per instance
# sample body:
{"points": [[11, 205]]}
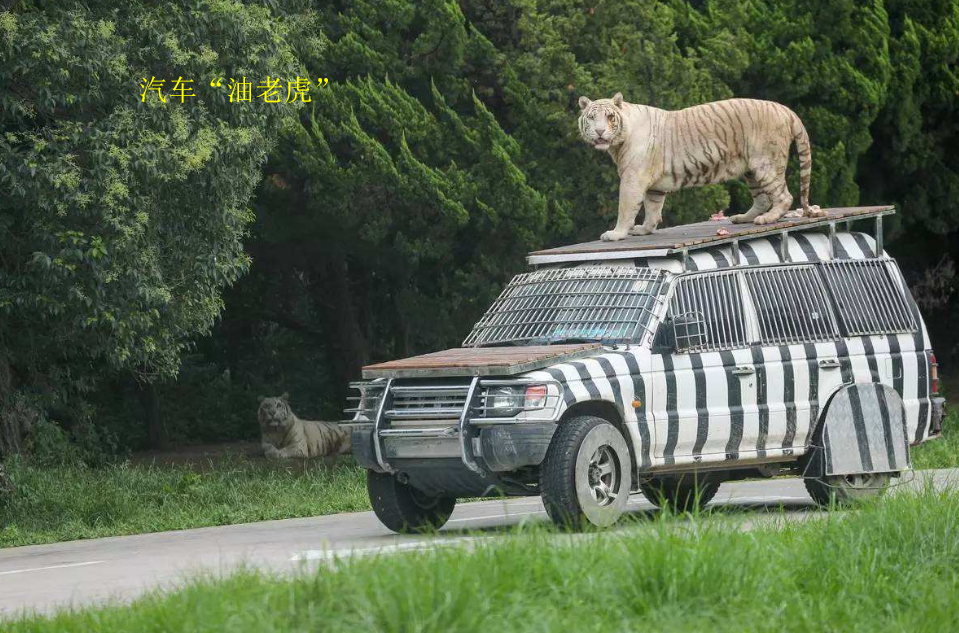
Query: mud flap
{"points": [[865, 431]]}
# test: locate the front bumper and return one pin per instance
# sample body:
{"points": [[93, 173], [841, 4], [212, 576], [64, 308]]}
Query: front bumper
{"points": [[500, 448]]}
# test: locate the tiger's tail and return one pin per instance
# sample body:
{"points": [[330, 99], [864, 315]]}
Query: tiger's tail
{"points": [[801, 138]]}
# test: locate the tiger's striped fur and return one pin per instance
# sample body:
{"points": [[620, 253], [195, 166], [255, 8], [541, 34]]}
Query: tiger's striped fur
{"points": [[282, 434], [658, 151]]}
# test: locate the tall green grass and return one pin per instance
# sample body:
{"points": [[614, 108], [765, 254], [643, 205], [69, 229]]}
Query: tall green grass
{"points": [[942, 452], [59, 503], [889, 566]]}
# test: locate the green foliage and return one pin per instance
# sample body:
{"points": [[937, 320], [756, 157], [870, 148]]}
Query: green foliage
{"points": [[83, 446], [398, 201], [121, 219], [887, 567]]}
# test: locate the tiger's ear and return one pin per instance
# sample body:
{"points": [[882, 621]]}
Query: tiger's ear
{"points": [[260, 399], [285, 397], [618, 99], [584, 102]]}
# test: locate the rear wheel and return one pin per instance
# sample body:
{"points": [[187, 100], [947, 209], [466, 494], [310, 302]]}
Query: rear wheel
{"points": [[586, 476], [405, 509], [826, 490], [845, 489], [683, 493]]}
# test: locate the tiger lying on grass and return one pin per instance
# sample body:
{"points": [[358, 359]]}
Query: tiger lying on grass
{"points": [[658, 151], [285, 435]]}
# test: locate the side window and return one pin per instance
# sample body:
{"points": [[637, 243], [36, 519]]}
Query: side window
{"points": [[715, 298], [791, 305], [868, 299]]}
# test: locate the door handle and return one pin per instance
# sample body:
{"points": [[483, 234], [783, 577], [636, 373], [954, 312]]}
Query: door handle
{"points": [[829, 363], [744, 370]]}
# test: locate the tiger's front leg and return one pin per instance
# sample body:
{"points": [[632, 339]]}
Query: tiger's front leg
{"points": [[653, 204], [631, 192]]}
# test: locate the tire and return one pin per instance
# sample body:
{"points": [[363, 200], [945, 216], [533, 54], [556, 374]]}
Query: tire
{"points": [[587, 473], [404, 509], [683, 493], [840, 490], [844, 490]]}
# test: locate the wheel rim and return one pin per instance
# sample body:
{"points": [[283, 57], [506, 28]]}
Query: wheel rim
{"points": [[863, 481], [602, 475]]}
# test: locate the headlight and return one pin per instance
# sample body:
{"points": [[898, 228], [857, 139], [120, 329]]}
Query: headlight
{"points": [[504, 402], [507, 402]]}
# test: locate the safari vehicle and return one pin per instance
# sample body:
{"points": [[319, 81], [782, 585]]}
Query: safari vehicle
{"points": [[663, 364]]}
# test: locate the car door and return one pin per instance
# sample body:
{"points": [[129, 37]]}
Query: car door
{"points": [[799, 359], [708, 410]]}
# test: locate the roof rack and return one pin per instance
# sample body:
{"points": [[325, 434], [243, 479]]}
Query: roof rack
{"points": [[680, 240]]}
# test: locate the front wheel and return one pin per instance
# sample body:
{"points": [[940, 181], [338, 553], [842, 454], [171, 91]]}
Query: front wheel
{"points": [[404, 509], [586, 476]]}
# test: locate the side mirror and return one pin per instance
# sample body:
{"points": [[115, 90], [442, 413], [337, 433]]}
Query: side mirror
{"points": [[689, 331], [681, 332]]}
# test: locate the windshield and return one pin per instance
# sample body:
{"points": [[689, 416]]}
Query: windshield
{"points": [[568, 305]]}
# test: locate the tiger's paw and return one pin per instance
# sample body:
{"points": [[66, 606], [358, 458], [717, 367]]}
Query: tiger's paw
{"points": [[271, 452], [613, 236], [767, 218], [641, 229], [742, 218]]}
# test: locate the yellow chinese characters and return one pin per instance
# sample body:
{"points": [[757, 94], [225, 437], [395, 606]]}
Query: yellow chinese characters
{"points": [[181, 90], [154, 84], [271, 92], [240, 90], [298, 89]]}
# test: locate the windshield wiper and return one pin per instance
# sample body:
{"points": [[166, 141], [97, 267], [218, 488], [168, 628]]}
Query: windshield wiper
{"points": [[572, 340]]}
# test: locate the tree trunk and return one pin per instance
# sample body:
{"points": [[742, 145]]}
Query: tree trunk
{"points": [[150, 400], [349, 348]]}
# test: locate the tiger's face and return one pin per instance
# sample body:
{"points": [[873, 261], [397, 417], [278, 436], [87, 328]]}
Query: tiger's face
{"points": [[275, 414], [601, 121]]}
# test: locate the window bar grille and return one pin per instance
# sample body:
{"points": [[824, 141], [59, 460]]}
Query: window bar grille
{"points": [[786, 300], [586, 302], [868, 299]]}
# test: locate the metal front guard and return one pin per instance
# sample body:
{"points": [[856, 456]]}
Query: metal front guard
{"points": [[477, 400]]}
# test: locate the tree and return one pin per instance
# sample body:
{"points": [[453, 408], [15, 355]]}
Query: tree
{"points": [[121, 215], [395, 209]]}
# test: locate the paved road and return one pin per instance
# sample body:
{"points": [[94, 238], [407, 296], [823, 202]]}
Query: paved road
{"points": [[45, 577]]}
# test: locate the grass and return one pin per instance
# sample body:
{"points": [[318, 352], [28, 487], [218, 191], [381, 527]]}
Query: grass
{"points": [[889, 566], [63, 503], [68, 502], [943, 452]]}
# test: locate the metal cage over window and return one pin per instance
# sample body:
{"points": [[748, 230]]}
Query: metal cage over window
{"points": [[868, 298], [608, 304], [791, 305], [716, 298]]}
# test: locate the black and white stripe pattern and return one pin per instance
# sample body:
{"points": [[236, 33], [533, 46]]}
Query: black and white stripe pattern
{"points": [[865, 431], [762, 402]]}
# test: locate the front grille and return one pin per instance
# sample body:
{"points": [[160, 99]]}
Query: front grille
{"points": [[427, 402]]}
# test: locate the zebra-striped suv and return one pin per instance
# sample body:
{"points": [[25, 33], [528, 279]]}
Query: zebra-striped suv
{"points": [[600, 374]]}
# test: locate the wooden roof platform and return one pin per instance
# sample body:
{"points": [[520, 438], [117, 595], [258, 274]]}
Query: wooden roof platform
{"points": [[479, 361], [687, 237]]}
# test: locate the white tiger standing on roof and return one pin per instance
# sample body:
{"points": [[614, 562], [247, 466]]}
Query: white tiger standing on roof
{"points": [[659, 151]]}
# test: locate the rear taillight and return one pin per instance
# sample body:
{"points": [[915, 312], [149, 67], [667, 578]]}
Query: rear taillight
{"points": [[934, 373]]}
